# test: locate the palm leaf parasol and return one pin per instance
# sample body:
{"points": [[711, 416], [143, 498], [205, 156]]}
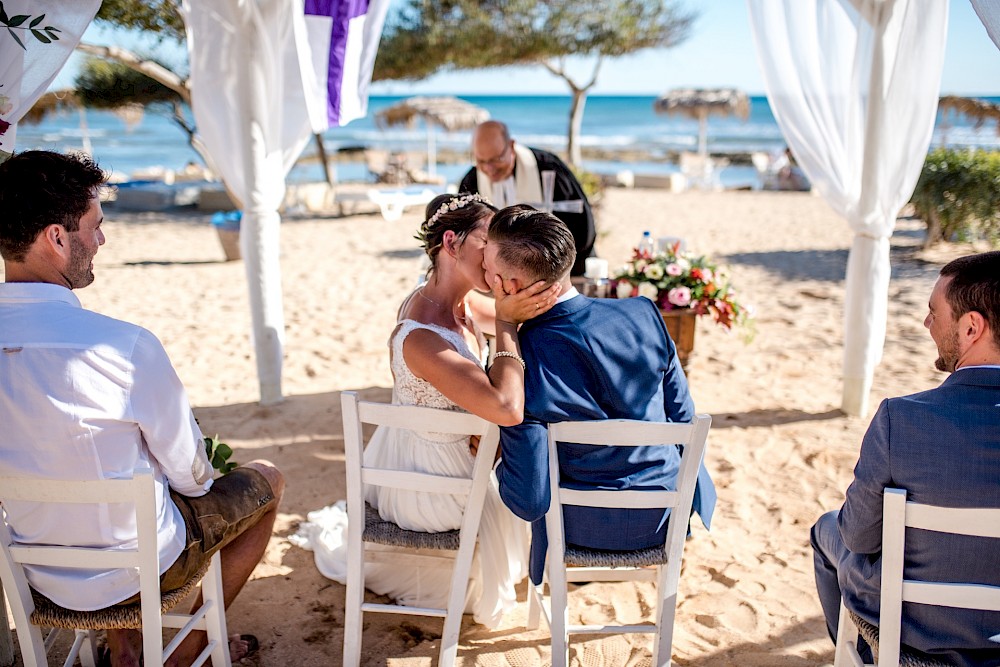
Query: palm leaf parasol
{"points": [[700, 103], [449, 113]]}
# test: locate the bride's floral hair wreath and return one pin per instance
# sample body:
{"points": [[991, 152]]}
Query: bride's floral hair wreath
{"points": [[461, 214]]}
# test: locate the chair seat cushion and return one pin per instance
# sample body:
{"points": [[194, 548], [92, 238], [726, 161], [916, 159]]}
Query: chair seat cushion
{"points": [[869, 633], [118, 617], [583, 557], [380, 531]]}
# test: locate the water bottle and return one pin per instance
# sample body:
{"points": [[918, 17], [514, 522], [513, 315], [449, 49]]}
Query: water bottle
{"points": [[646, 247]]}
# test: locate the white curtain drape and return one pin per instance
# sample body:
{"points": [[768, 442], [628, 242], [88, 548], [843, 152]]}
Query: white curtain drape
{"points": [[853, 85], [32, 53], [248, 103], [989, 13]]}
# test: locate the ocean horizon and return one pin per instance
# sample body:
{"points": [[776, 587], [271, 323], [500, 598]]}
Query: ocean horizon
{"points": [[617, 124]]}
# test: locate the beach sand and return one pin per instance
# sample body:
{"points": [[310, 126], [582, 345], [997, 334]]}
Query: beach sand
{"points": [[780, 450]]}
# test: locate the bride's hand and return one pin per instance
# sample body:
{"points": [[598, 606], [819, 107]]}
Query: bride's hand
{"points": [[529, 302]]}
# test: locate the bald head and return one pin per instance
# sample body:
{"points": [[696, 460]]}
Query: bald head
{"points": [[493, 150]]}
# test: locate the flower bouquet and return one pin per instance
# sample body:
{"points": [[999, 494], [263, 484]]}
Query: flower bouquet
{"points": [[677, 280]]}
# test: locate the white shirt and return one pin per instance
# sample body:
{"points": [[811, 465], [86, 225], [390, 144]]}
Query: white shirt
{"points": [[84, 396], [567, 295]]}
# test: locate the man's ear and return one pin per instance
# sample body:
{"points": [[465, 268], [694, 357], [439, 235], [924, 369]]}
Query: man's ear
{"points": [[971, 327], [56, 239]]}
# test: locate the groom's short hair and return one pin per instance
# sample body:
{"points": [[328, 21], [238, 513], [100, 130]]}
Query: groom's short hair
{"points": [[536, 242]]}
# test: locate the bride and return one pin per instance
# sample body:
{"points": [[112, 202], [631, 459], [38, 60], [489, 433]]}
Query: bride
{"points": [[437, 355]]}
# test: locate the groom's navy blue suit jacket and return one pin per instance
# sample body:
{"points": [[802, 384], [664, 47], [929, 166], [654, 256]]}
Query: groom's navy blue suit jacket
{"points": [[597, 359]]}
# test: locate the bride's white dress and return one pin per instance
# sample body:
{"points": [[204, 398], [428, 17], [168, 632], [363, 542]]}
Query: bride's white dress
{"points": [[501, 557]]}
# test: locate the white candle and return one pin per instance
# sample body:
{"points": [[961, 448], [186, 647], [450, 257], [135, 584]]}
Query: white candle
{"points": [[596, 268]]}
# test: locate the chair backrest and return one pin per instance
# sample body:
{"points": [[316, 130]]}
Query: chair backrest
{"points": [[897, 516], [137, 490], [631, 433], [356, 413]]}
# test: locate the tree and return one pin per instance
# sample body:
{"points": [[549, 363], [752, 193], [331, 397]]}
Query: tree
{"points": [[431, 35]]}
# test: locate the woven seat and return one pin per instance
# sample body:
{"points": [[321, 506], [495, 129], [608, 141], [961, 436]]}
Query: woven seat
{"points": [[869, 633], [380, 531], [583, 557], [119, 617]]}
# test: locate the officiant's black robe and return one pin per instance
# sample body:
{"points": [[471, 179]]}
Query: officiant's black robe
{"points": [[567, 188]]}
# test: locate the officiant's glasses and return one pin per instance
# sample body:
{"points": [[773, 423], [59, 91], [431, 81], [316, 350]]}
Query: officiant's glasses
{"points": [[498, 161]]}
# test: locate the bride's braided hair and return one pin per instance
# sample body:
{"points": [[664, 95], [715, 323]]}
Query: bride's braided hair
{"points": [[459, 213]]}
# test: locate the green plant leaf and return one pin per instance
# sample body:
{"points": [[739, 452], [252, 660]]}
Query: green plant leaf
{"points": [[38, 20], [17, 20], [3, 15], [40, 36], [17, 39]]}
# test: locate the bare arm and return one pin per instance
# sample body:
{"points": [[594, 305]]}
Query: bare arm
{"points": [[499, 395]]}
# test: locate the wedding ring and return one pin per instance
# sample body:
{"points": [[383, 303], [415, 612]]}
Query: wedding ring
{"points": [[537, 306]]}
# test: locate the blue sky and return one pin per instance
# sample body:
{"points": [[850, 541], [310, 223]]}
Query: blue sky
{"points": [[719, 52]]}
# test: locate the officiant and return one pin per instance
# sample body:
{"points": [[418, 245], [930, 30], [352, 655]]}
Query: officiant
{"points": [[509, 173]]}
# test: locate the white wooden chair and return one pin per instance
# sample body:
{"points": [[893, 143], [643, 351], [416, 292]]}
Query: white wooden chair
{"points": [[897, 516], [32, 610], [365, 525], [662, 564]]}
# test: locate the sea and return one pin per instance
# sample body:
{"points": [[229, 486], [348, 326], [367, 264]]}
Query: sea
{"points": [[623, 125]]}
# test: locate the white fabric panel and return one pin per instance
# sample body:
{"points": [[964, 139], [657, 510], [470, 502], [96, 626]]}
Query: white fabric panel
{"points": [[854, 85], [249, 106], [989, 13], [25, 73]]}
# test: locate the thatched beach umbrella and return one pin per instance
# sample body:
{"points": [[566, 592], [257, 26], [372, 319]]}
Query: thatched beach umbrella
{"points": [[979, 111], [450, 113], [700, 103]]}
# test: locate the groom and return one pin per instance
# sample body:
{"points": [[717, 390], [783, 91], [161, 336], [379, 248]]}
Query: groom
{"points": [[586, 359]]}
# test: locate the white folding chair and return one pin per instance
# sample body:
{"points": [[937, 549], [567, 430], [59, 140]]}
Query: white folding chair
{"points": [[365, 525], [662, 564], [897, 516], [32, 610]]}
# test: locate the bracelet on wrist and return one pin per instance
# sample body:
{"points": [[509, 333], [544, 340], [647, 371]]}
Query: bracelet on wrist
{"points": [[513, 355]]}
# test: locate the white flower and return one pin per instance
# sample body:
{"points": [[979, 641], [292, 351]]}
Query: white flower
{"points": [[623, 289], [683, 263], [5, 105], [674, 269], [654, 271], [639, 265], [649, 291]]}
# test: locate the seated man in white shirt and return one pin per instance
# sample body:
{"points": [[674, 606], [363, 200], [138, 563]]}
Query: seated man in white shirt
{"points": [[92, 397]]}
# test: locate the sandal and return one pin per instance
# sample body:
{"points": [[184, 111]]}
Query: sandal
{"points": [[252, 645]]}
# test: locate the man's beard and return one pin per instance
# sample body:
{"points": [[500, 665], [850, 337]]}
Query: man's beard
{"points": [[79, 272], [948, 356]]}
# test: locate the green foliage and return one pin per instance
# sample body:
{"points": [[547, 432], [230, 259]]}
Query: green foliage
{"points": [[219, 453], [44, 34], [592, 185], [160, 17], [104, 84], [958, 195], [429, 35]]}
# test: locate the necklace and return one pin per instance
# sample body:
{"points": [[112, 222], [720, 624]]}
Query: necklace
{"points": [[460, 318], [421, 293]]}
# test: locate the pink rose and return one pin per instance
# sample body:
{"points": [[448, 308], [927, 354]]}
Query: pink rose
{"points": [[674, 269], [679, 296]]}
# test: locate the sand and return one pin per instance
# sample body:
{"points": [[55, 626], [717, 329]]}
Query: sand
{"points": [[780, 450]]}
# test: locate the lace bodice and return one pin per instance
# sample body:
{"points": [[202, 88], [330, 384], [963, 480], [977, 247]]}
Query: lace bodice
{"points": [[408, 389]]}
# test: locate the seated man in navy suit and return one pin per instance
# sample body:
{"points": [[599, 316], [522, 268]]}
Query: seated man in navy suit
{"points": [[943, 447], [586, 359]]}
